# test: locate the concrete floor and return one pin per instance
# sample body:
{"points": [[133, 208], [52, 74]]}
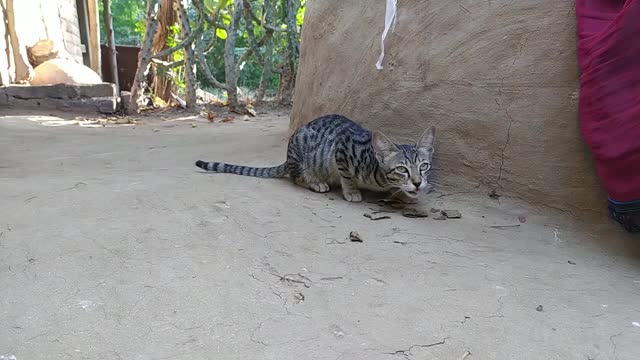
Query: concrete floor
{"points": [[114, 246]]}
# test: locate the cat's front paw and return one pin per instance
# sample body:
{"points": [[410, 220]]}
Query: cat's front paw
{"points": [[352, 196]]}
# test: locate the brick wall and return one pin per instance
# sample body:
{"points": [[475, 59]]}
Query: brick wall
{"points": [[70, 28]]}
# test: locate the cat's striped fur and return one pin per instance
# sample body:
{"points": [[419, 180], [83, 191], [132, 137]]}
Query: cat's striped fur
{"points": [[335, 150]]}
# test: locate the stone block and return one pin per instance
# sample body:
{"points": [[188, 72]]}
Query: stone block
{"points": [[59, 91], [106, 105]]}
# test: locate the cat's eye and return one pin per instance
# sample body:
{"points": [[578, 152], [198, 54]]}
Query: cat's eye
{"points": [[402, 169], [425, 166]]}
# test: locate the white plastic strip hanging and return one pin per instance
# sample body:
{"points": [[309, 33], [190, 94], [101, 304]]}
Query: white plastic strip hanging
{"points": [[389, 23]]}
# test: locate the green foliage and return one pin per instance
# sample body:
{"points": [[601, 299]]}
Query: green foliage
{"points": [[177, 74], [209, 5], [174, 30], [221, 33], [129, 26], [128, 21], [300, 14]]}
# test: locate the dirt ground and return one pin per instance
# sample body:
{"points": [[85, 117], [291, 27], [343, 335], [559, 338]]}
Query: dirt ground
{"points": [[113, 245]]}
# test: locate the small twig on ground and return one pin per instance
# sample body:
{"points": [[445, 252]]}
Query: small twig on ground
{"points": [[504, 226], [179, 101], [407, 352], [335, 242], [465, 355], [77, 185], [289, 278], [401, 242]]}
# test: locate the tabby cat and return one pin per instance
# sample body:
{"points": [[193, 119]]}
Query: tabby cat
{"points": [[335, 150]]}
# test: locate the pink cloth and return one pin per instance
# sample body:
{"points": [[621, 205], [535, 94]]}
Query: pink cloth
{"points": [[609, 57]]}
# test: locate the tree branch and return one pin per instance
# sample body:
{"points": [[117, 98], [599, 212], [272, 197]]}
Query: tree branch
{"points": [[255, 47], [186, 42], [253, 50], [264, 22], [205, 67], [273, 28], [211, 44], [144, 57], [200, 48], [247, 7], [166, 64]]}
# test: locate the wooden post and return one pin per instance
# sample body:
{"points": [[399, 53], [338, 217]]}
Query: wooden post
{"points": [[93, 19], [111, 43], [24, 71]]}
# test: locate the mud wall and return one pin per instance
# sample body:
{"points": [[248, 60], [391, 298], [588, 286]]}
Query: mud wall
{"points": [[497, 78]]}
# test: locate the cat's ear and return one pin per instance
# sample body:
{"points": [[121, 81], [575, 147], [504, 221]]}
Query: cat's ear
{"points": [[382, 146], [425, 143]]}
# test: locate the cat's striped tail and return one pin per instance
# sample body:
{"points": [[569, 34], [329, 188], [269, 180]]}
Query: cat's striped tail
{"points": [[263, 172]]}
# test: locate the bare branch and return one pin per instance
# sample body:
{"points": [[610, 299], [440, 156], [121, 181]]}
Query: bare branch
{"points": [[264, 21], [144, 57], [273, 28], [205, 67], [211, 44], [247, 7], [212, 20], [166, 64], [255, 47], [184, 43], [243, 58], [200, 48]]}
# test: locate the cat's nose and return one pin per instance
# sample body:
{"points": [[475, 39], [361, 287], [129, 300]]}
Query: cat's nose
{"points": [[417, 184]]}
